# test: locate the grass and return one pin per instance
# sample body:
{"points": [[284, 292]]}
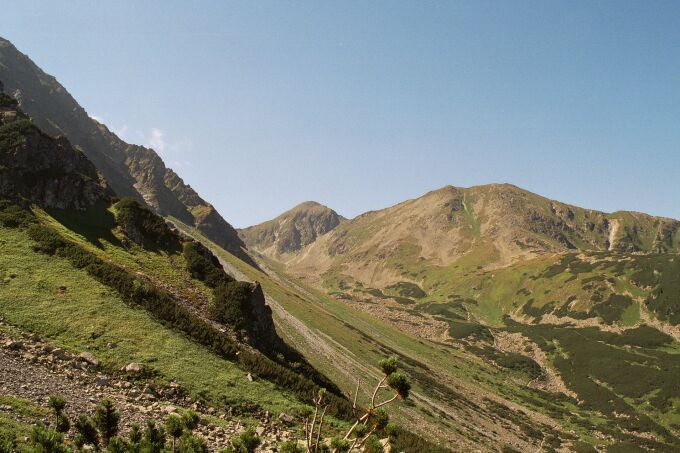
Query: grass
{"points": [[76, 312], [10, 427], [630, 374], [437, 370], [96, 231]]}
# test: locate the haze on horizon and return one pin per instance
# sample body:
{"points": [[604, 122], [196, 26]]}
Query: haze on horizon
{"points": [[262, 105]]}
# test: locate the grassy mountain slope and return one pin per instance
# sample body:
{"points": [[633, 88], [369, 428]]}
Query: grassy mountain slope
{"points": [[130, 170], [477, 243], [109, 277], [489, 388], [92, 273], [526, 285]]}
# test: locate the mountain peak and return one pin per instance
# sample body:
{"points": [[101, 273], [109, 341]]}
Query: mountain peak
{"points": [[292, 230]]}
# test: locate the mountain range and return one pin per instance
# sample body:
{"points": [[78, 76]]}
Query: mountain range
{"points": [[522, 322]]}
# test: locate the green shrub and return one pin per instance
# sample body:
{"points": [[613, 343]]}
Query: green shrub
{"points": [[246, 442], [106, 420], [118, 445], [14, 134], [47, 441], [7, 446], [189, 443], [203, 265], [13, 216], [612, 309], [174, 426], [135, 219], [190, 420], [153, 440], [86, 432], [231, 304], [373, 445], [290, 447]]}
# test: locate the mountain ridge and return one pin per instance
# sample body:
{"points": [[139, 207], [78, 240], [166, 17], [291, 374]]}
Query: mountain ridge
{"points": [[485, 227], [130, 170]]}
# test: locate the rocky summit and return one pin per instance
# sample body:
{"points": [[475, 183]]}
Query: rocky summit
{"points": [[292, 230]]}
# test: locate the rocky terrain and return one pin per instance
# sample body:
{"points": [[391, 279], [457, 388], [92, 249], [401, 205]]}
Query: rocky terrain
{"points": [[37, 168], [34, 370]]}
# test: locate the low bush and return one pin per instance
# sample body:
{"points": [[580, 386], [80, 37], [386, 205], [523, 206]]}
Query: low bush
{"points": [[203, 265], [231, 304]]}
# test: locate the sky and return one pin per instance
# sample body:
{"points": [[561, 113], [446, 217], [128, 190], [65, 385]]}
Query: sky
{"points": [[260, 105]]}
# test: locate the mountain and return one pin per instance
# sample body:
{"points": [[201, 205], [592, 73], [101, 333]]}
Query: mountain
{"points": [[580, 308], [104, 285], [101, 298], [522, 323], [36, 168], [495, 226], [292, 230], [130, 170]]}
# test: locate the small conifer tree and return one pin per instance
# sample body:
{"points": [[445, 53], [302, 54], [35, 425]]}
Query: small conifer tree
{"points": [[106, 420]]}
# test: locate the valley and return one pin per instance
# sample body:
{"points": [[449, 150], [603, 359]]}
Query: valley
{"points": [[519, 323]]}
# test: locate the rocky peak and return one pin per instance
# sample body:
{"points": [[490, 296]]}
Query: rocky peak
{"points": [[292, 230]]}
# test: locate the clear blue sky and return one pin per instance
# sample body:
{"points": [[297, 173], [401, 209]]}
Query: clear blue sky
{"points": [[359, 105]]}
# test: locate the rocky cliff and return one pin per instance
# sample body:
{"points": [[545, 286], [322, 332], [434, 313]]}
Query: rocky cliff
{"points": [[37, 168], [130, 170]]}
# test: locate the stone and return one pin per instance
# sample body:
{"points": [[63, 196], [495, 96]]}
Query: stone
{"points": [[169, 409], [89, 358], [285, 418], [259, 430], [250, 377], [14, 345], [133, 367], [102, 381], [60, 354]]}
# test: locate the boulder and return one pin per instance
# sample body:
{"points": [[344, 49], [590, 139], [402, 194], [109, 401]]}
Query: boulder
{"points": [[133, 367], [14, 345], [285, 418], [60, 354], [89, 358]]}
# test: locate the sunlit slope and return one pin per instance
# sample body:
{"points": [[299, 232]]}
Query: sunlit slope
{"points": [[466, 229], [46, 295], [292, 230], [464, 387]]}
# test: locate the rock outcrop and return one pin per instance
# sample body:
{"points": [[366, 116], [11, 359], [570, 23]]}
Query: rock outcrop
{"points": [[37, 168]]}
